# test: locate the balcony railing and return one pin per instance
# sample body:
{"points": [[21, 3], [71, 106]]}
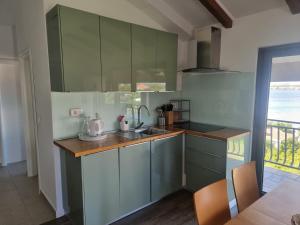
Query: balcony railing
{"points": [[283, 143]]}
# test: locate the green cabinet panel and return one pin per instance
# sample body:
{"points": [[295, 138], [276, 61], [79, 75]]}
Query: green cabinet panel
{"points": [[214, 163], [166, 60], [79, 46], [134, 177], [205, 161], [54, 50], [115, 54], [154, 59], [144, 58], [198, 177], [81, 50], [100, 178], [206, 145], [74, 187], [166, 167]]}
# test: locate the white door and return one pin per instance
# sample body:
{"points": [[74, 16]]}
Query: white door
{"points": [[29, 114]]}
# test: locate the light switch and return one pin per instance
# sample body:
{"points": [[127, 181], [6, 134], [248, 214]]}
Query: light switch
{"points": [[75, 112]]}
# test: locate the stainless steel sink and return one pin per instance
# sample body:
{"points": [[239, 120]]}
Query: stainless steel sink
{"points": [[131, 135], [153, 131], [140, 133]]}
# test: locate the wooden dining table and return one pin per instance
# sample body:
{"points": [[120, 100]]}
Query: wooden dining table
{"points": [[274, 208]]}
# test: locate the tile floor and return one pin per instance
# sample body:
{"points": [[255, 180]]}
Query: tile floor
{"points": [[273, 177], [20, 201]]}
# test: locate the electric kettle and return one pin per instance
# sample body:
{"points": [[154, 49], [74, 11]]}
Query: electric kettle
{"points": [[95, 127]]}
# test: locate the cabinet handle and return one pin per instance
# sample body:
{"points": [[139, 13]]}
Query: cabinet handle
{"points": [[134, 144]]}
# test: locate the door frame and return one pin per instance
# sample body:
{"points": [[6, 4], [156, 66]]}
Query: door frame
{"points": [[263, 80], [31, 154]]}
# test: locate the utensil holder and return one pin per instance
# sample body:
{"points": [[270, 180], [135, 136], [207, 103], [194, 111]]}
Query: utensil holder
{"points": [[161, 121]]}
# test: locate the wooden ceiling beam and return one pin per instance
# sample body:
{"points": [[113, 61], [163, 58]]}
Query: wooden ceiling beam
{"points": [[294, 6], [218, 12]]}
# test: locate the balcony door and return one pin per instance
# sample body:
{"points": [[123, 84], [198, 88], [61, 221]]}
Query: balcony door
{"points": [[276, 127]]}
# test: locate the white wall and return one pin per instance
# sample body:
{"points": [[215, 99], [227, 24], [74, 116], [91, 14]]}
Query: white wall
{"points": [[31, 34], [7, 12], [7, 41], [7, 30], [240, 44]]}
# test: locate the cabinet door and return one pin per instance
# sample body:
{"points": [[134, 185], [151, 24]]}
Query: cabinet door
{"points": [[100, 178], [80, 41], [115, 55], [166, 167], [205, 161], [167, 58], [54, 50], [134, 177], [144, 74]]}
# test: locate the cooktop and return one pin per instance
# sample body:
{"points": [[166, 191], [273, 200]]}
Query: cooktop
{"points": [[201, 127]]}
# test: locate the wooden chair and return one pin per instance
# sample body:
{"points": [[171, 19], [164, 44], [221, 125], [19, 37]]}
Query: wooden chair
{"points": [[245, 185], [211, 204]]}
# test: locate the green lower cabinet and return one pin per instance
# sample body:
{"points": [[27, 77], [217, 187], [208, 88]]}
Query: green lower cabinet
{"points": [[106, 186], [73, 182], [166, 166], [100, 180], [205, 161], [134, 177]]}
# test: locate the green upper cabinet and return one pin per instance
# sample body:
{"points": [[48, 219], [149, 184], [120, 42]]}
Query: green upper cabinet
{"points": [[115, 55], [54, 50], [143, 58], [166, 166], [88, 52], [154, 59], [166, 58], [74, 50]]}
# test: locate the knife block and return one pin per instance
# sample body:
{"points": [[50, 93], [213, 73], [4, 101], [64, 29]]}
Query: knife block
{"points": [[170, 117]]}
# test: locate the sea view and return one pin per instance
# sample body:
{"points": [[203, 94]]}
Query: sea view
{"points": [[284, 103]]}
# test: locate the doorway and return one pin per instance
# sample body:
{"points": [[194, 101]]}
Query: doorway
{"points": [[21, 199], [276, 127], [29, 113], [282, 149]]}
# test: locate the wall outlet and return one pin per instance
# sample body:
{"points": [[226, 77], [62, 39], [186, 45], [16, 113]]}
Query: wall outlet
{"points": [[75, 112]]}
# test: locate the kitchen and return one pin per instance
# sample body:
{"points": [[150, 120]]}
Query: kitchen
{"points": [[127, 109], [139, 68]]}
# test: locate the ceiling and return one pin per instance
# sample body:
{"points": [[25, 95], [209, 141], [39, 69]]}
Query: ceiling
{"points": [[240, 8], [193, 11], [181, 16]]}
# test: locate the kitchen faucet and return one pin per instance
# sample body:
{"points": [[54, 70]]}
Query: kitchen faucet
{"points": [[140, 124]]}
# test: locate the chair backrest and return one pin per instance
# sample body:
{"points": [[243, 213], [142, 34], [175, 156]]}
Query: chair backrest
{"points": [[245, 185], [211, 204]]}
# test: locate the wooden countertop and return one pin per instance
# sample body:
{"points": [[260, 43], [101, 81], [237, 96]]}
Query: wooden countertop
{"points": [[222, 135], [80, 148]]}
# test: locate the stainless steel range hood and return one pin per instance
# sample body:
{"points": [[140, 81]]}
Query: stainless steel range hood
{"points": [[204, 53]]}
